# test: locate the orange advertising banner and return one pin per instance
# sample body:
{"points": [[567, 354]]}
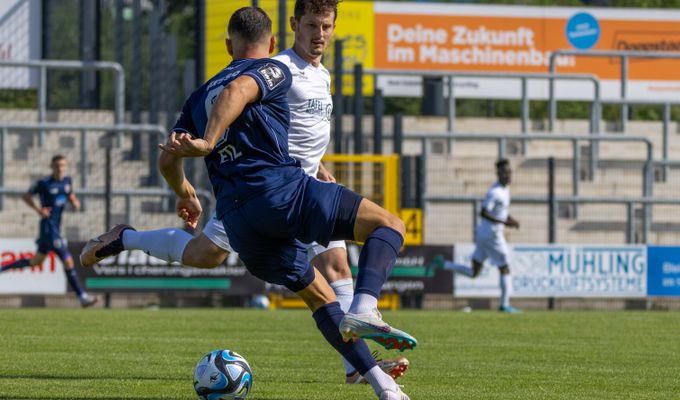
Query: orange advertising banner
{"points": [[437, 37]]}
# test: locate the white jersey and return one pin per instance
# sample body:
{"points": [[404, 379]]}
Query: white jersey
{"points": [[311, 106], [497, 203]]}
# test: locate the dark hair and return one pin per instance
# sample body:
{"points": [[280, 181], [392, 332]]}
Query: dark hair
{"points": [[503, 162], [316, 7], [57, 157], [250, 24]]}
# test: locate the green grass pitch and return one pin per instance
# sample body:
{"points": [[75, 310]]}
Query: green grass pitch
{"points": [[146, 354]]}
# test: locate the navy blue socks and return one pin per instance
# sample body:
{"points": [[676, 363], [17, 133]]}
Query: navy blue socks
{"points": [[74, 282], [23, 263], [376, 260], [328, 319]]}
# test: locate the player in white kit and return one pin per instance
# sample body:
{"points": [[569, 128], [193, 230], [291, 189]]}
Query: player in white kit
{"points": [[490, 242], [311, 107]]}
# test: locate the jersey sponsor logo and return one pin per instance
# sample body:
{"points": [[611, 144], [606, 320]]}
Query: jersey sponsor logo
{"points": [[301, 75], [228, 153], [317, 107], [272, 74], [211, 98], [54, 190], [223, 79]]}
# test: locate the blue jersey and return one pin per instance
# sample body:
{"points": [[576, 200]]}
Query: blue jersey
{"points": [[252, 155], [53, 194]]}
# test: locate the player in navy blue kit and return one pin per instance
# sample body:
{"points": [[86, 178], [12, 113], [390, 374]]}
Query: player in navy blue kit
{"points": [[54, 192], [270, 208]]}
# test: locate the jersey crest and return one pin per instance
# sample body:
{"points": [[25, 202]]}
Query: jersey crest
{"points": [[272, 74]]}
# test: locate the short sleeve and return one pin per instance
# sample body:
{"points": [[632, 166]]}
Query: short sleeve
{"points": [[185, 122], [272, 76], [36, 188], [489, 200]]}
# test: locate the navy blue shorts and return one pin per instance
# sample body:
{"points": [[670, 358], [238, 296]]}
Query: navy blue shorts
{"points": [[55, 243], [269, 231]]}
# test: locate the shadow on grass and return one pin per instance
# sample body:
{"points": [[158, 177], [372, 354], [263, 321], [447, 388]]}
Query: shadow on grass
{"points": [[57, 397], [76, 377]]}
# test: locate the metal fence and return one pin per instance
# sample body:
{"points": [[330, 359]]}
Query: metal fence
{"points": [[115, 187], [42, 66], [615, 207], [624, 56]]}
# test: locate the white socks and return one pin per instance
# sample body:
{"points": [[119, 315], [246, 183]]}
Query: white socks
{"points": [[461, 268], [505, 290], [363, 303], [344, 292], [380, 381], [166, 244]]}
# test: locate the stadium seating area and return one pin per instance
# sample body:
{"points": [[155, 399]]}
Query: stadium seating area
{"points": [[468, 171]]}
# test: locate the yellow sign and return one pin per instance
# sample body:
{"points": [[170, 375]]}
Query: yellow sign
{"points": [[413, 219], [354, 26]]}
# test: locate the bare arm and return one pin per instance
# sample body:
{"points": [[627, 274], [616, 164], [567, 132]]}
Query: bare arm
{"points": [[188, 206], [510, 222], [228, 106], [28, 199], [324, 175], [172, 169], [74, 201]]}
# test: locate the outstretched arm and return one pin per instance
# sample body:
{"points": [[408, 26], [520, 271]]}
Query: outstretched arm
{"points": [[188, 206], [228, 106]]}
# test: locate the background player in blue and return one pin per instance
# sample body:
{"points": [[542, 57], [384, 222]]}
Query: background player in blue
{"points": [[54, 192], [269, 206]]}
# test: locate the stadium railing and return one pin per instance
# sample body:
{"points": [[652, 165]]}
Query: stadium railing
{"points": [[623, 55], [87, 157], [647, 174], [44, 65], [524, 78]]}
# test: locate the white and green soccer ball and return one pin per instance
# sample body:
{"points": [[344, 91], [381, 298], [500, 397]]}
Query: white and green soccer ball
{"points": [[222, 375]]}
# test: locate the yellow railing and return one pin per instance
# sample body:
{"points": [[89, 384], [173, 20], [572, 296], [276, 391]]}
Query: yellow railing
{"points": [[375, 177]]}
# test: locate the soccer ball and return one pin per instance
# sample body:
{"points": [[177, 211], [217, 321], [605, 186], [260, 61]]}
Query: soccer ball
{"points": [[222, 375]]}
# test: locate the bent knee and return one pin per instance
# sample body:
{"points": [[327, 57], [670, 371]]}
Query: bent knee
{"points": [[394, 222], [203, 256]]}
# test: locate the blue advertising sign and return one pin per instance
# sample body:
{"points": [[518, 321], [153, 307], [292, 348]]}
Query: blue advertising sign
{"points": [[663, 275], [583, 31]]}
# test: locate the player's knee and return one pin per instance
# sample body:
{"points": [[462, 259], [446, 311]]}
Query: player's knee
{"points": [[200, 256], [504, 270], [395, 223], [203, 260]]}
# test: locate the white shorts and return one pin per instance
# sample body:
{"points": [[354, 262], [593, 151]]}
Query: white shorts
{"points": [[491, 246], [214, 230]]}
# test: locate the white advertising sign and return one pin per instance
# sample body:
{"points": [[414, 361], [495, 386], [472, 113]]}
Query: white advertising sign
{"points": [[562, 271], [48, 278], [20, 40]]}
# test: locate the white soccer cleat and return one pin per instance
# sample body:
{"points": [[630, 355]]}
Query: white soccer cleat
{"points": [[389, 394], [88, 301], [394, 367], [103, 246], [371, 326]]}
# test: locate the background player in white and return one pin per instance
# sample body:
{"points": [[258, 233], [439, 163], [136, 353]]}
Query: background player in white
{"points": [[310, 101], [489, 239]]}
